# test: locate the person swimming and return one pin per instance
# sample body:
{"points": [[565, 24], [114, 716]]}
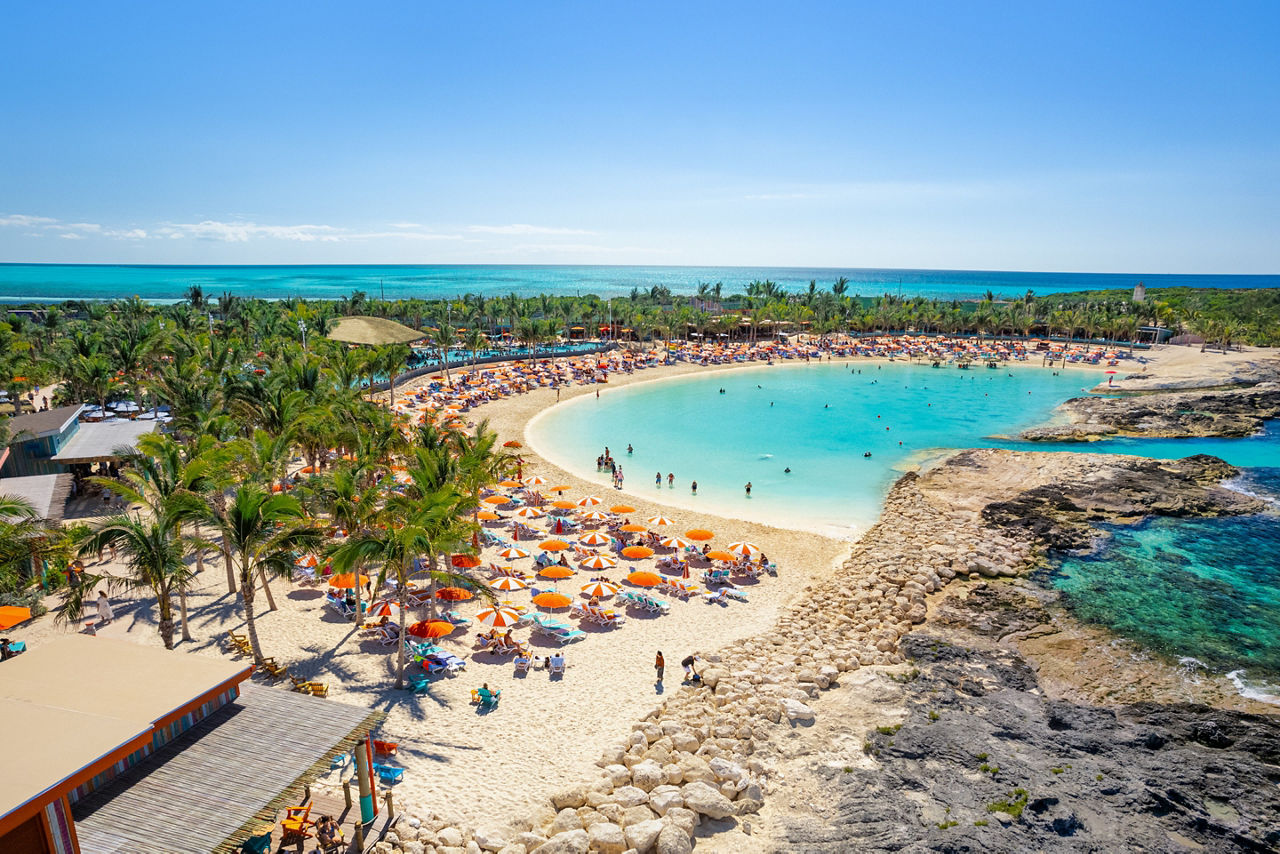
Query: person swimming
{"points": [[787, 470], [866, 454]]}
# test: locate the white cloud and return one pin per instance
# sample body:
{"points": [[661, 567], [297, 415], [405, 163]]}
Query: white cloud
{"points": [[71, 235], [524, 229], [243, 232], [25, 220]]}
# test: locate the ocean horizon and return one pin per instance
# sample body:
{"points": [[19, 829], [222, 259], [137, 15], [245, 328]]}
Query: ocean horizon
{"points": [[39, 282]]}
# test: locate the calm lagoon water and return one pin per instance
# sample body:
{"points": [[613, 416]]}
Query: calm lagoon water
{"points": [[1208, 589]]}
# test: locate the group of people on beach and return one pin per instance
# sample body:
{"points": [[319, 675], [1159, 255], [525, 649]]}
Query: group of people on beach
{"points": [[688, 663]]}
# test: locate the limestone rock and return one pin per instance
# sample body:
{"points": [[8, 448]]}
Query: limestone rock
{"points": [[704, 800], [629, 796], [673, 840], [606, 838], [643, 836], [569, 842]]}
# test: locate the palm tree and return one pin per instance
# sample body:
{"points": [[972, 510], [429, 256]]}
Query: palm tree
{"points": [[154, 553], [262, 532], [353, 505], [25, 541], [393, 359]]}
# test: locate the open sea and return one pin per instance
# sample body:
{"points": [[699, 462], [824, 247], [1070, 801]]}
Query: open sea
{"points": [[58, 282]]}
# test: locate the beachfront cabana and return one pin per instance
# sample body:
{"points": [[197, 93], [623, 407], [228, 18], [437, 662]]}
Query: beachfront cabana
{"points": [[118, 746], [46, 492], [101, 442], [37, 437], [373, 331]]}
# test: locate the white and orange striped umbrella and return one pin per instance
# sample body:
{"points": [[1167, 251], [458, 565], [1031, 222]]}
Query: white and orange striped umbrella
{"points": [[530, 513], [589, 501], [595, 538], [507, 583], [599, 562], [534, 481], [743, 549], [675, 543], [595, 516], [659, 521], [599, 589], [498, 618], [512, 553], [385, 608]]}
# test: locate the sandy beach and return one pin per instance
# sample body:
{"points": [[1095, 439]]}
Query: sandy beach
{"points": [[492, 768]]}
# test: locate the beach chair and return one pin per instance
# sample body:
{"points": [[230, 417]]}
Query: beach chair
{"points": [[389, 774], [567, 635], [485, 698], [456, 618], [257, 844], [318, 689], [389, 635], [555, 666], [293, 828], [735, 593], [522, 664], [342, 760], [384, 748], [269, 666]]}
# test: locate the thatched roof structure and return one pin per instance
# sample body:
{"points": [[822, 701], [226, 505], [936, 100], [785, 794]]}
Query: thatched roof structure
{"points": [[375, 331]]}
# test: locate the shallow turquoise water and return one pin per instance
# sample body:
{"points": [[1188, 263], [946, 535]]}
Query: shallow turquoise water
{"points": [[22, 282], [1204, 588], [817, 419]]}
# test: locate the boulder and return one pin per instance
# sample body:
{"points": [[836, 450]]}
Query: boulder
{"points": [[648, 774], [569, 842], [685, 819], [662, 803], [673, 840], [514, 848], [705, 800], [449, 836], [606, 838], [573, 797], [490, 839], [629, 796], [566, 819], [637, 815], [643, 836], [797, 711]]}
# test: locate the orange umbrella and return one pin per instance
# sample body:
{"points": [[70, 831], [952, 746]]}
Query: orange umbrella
{"points": [[454, 594], [699, 534], [645, 579], [431, 629], [465, 561], [744, 549], [529, 513], [720, 554], [599, 562], [595, 538], [659, 521], [622, 508], [551, 600], [637, 552], [675, 543], [558, 489], [498, 618], [556, 572], [510, 484], [563, 504], [487, 516], [512, 444], [601, 589], [496, 499], [633, 528], [553, 545], [11, 615], [347, 579]]}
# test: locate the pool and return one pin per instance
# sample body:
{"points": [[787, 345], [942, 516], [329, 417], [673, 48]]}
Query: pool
{"points": [[820, 420]]}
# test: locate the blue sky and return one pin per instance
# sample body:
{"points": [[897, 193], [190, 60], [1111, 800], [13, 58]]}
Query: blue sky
{"points": [[1037, 136]]}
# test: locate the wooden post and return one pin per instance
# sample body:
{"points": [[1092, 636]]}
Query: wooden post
{"points": [[306, 793], [391, 808], [346, 792], [359, 836]]}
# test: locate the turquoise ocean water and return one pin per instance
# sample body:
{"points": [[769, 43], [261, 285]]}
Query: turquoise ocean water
{"points": [[56, 282], [1208, 589]]}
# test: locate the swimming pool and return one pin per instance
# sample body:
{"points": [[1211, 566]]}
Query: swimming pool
{"points": [[820, 420]]}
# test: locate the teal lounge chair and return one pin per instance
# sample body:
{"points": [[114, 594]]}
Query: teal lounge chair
{"points": [[256, 844]]}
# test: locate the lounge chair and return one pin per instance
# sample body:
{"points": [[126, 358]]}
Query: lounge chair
{"points": [[293, 827], [388, 773], [257, 844], [556, 665], [420, 685], [269, 666], [384, 748], [522, 664]]}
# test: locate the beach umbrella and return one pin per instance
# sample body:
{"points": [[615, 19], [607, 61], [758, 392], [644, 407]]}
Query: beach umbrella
{"points": [[675, 543], [507, 583], [512, 444], [637, 552], [487, 516], [465, 561], [595, 516], [555, 572], [512, 553], [553, 545], [595, 538], [12, 615], [599, 562], [306, 561], [496, 499], [622, 508], [454, 594], [744, 549], [659, 521], [530, 513], [552, 600], [431, 629], [699, 534], [384, 608], [720, 554], [534, 481], [589, 501], [601, 589], [559, 489], [644, 579], [510, 484], [563, 505], [633, 528], [498, 618], [347, 579]]}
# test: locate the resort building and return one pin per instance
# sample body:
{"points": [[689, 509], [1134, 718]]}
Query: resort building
{"points": [[114, 746]]}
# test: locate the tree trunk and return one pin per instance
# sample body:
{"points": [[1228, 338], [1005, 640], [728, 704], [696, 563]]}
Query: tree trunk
{"points": [[166, 633], [251, 627], [393, 390], [356, 569], [271, 600], [182, 612], [400, 661], [231, 572]]}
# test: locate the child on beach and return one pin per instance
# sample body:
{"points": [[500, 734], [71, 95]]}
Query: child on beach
{"points": [[659, 664]]}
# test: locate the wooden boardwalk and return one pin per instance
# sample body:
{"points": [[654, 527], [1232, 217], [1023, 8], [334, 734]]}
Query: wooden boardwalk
{"points": [[222, 779], [336, 806]]}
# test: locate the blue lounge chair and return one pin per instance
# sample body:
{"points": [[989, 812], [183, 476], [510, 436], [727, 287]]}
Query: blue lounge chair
{"points": [[256, 844], [388, 773]]}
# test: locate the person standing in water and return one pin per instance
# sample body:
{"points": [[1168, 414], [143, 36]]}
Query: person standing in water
{"points": [[694, 487], [671, 480], [748, 488]]}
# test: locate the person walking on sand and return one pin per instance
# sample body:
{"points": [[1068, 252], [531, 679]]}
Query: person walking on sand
{"points": [[105, 614], [659, 664]]}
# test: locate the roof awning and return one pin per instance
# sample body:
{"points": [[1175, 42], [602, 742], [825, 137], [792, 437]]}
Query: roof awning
{"points": [[101, 442]]}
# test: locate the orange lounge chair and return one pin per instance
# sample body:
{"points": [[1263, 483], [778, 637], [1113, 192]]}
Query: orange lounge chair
{"points": [[385, 748], [295, 824]]}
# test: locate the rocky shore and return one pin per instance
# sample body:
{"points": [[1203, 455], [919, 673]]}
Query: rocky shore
{"points": [[1231, 402], [777, 748]]}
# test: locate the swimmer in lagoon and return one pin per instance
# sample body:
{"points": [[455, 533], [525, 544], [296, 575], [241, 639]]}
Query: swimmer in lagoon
{"points": [[787, 470], [748, 489], [694, 487], [629, 450]]}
